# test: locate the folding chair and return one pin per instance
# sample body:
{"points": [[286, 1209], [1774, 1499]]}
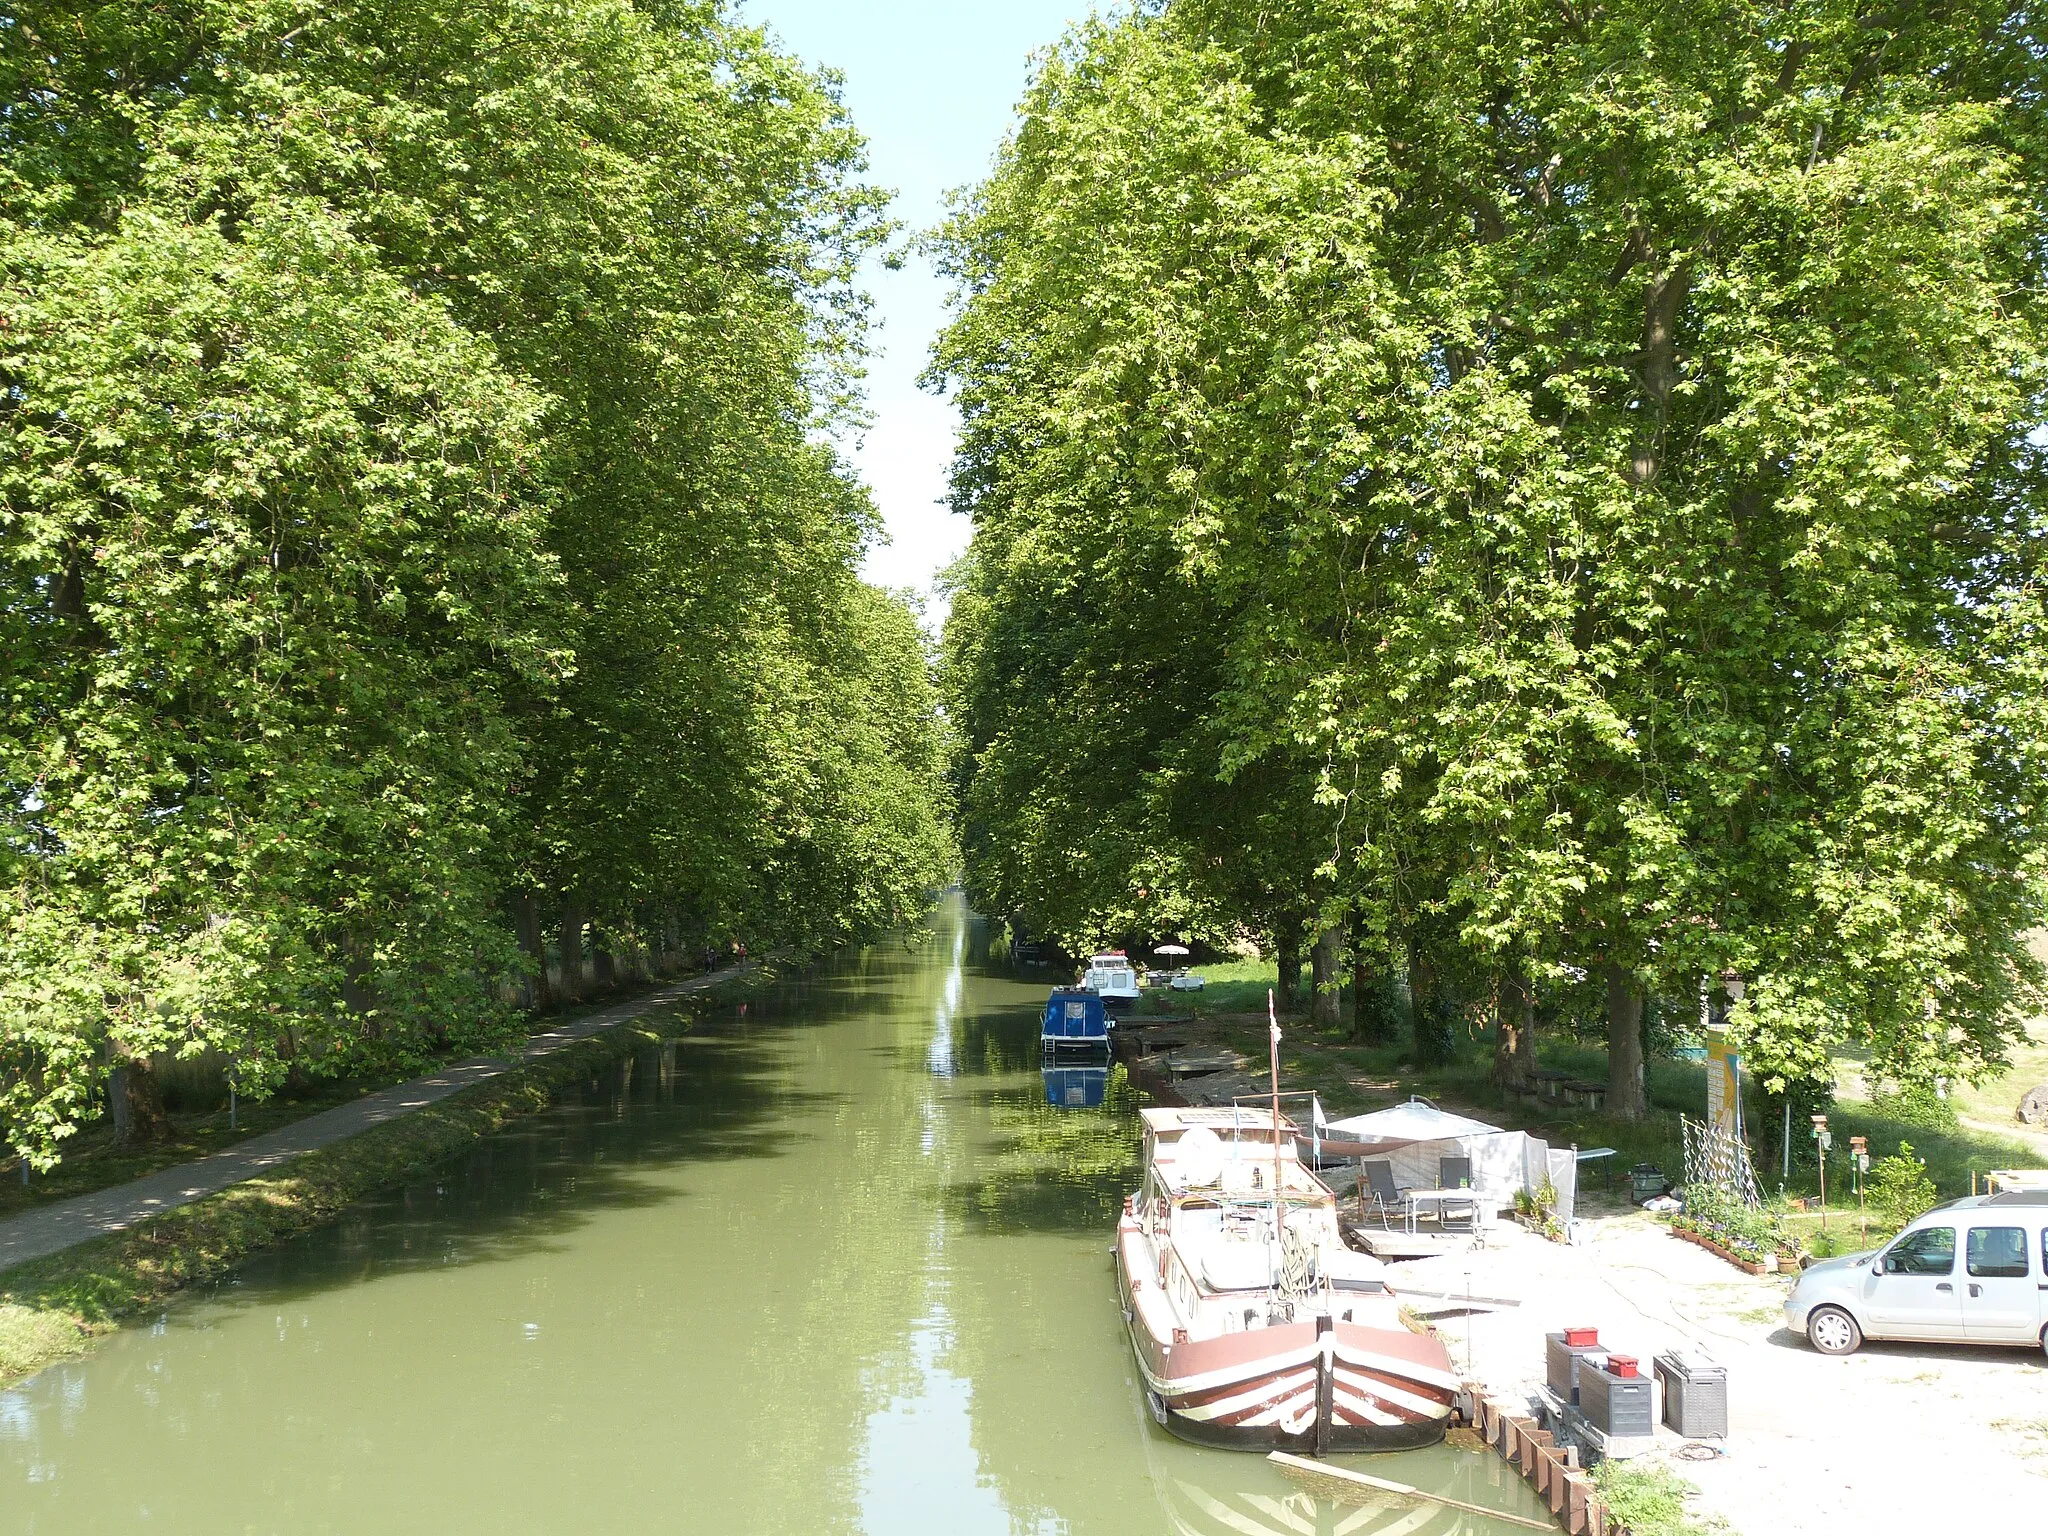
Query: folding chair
{"points": [[1377, 1190], [1456, 1173]]}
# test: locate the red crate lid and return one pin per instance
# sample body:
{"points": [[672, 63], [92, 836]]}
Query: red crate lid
{"points": [[1581, 1338], [1622, 1365]]}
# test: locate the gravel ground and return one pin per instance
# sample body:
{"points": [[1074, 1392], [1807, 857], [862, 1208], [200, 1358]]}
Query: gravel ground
{"points": [[1895, 1437]]}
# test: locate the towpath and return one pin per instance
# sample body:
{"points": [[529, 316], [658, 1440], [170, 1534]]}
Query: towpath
{"points": [[61, 1225]]}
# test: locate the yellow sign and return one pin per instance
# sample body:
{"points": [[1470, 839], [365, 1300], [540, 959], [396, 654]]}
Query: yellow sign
{"points": [[1724, 1084]]}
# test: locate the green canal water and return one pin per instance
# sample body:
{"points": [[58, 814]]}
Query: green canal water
{"points": [[827, 1263]]}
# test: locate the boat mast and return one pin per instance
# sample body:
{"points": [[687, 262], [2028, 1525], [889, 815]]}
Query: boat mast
{"points": [[1279, 1208]]}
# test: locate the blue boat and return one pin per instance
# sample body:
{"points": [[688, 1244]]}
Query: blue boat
{"points": [[1075, 1019]]}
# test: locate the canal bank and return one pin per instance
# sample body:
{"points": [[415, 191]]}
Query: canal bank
{"points": [[829, 1264], [73, 1271]]}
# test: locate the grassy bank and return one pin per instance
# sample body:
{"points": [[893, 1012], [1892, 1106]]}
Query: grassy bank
{"points": [[55, 1307], [201, 1123]]}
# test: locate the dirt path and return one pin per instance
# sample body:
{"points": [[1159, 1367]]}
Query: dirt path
{"points": [[1894, 1437], [65, 1223]]}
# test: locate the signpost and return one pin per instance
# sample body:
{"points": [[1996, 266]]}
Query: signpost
{"points": [[1824, 1139], [1724, 1085], [1859, 1160]]}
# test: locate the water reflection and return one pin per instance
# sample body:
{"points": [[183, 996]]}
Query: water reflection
{"points": [[1075, 1087], [843, 1260]]}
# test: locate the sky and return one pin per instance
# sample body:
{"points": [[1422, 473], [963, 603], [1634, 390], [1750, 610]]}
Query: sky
{"points": [[931, 83]]}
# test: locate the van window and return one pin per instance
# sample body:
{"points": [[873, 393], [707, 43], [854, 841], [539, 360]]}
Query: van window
{"points": [[1930, 1251], [1998, 1252]]}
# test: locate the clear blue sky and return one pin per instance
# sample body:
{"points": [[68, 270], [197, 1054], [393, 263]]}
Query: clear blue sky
{"points": [[931, 83]]}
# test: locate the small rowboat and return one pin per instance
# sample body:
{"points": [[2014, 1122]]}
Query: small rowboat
{"points": [[1255, 1327]]}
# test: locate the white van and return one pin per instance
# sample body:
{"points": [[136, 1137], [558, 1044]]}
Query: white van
{"points": [[1973, 1271]]}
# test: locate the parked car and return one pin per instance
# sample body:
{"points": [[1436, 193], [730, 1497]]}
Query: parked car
{"points": [[1974, 1271]]}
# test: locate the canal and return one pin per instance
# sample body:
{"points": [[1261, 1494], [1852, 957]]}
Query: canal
{"points": [[828, 1262]]}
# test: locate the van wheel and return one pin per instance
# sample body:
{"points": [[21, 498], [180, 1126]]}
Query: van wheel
{"points": [[1833, 1331]]}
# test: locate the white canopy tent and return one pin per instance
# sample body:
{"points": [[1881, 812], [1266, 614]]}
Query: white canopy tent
{"points": [[1416, 1136]]}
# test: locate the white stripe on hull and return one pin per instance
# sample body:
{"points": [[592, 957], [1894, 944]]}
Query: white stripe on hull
{"points": [[1359, 1408], [1372, 1363], [1386, 1392], [1255, 1392]]}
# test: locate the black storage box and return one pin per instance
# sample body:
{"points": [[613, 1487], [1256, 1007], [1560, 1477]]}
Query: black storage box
{"points": [[1562, 1363], [1695, 1396], [1616, 1405]]}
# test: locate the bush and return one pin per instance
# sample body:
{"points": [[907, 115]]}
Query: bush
{"points": [[1436, 1032], [1899, 1188], [1378, 1021], [1747, 1232], [1914, 1104], [1649, 1500]]}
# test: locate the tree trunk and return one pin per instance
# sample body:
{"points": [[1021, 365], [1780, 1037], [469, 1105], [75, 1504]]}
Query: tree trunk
{"points": [[1435, 1037], [358, 994], [1514, 1047], [1372, 1004], [137, 1103], [571, 939], [1324, 961], [604, 969], [1627, 1093], [1287, 949], [526, 924]]}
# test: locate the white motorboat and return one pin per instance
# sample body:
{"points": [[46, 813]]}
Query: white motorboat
{"points": [[1113, 978]]}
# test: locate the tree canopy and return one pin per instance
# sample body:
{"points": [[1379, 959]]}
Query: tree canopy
{"points": [[418, 509], [1548, 487]]}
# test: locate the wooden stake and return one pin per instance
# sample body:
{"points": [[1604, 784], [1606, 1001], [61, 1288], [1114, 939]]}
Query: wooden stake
{"points": [[1342, 1482], [1279, 1205]]}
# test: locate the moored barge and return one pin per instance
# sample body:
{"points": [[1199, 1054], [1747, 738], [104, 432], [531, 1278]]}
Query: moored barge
{"points": [[1255, 1327]]}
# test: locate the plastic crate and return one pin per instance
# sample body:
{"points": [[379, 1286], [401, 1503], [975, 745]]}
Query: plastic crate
{"points": [[1562, 1362], [1617, 1405], [1695, 1396]]}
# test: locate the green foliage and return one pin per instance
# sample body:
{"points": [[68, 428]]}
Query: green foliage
{"points": [[1899, 1188], [1745, 1230], [1550, 486], [1378, 1017], [417, 507], [1437, 1023], [1647, 1499], [1914, 1104]]}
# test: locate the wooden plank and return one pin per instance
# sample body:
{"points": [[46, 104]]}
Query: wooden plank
{"points": [[1343, 1482], [1577, 1496]]}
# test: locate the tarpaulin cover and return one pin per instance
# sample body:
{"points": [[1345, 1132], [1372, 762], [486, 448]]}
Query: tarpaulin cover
{"points": [[1416, 1137], [1412, 1121], [1073, 1014]]}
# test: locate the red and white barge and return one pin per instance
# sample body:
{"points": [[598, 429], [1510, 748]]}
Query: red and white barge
{"points": [[1255, 1326]]}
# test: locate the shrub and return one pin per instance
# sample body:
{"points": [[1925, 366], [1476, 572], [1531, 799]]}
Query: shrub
{"points": [[1743, 1230], [1899, 1188], [1914, 1104], [1649, 1500]]}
